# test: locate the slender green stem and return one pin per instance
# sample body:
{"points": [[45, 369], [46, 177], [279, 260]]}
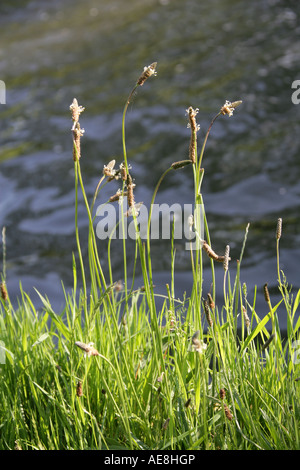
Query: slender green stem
{"points": [[91, 229], [123, 125], [205, 141], [4, 254], [278, 263], [76, 165]]}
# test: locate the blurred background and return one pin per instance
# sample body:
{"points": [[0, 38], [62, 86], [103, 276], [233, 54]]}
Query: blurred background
{"points": [[207, 52]]}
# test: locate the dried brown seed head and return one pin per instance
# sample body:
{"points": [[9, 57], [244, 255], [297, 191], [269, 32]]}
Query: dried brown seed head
{"points": [[123, 172], [87, 348], [228, 413], [229, 107], [76, 110], [147, 72], [279, 229], [210, 252], [207, 313], [79, 391], [117, 196], [3, 290], [130, 187], [245, 315], [166, 423], [192, 113], [77, 134], [134, 209], [194, 129], [211, 302], [266, 293]]}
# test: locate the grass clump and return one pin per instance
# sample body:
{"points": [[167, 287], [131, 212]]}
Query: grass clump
{"points": [[111, 371]]}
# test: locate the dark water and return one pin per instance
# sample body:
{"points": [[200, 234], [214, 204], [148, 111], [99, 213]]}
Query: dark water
{"points": [[207, 52]]}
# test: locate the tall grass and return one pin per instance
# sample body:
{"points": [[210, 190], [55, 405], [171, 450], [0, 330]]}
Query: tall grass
{"points": [[112, 371]]}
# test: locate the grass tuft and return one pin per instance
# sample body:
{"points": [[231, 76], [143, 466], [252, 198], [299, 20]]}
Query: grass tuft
{"points": [[111, 371]]}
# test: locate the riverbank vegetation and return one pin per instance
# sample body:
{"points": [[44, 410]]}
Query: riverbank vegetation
{"points": [[112, 371]]}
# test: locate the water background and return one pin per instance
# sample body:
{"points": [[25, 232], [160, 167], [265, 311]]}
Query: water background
{"points": [[207, 52]]}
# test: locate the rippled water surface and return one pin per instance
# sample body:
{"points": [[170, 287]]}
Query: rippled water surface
{"points": [[207, 52]]}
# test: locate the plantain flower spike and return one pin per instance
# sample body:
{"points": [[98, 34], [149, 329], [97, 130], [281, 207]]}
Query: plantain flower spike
{"points": [[148, 72], [76, 110], [87, 348], [198, 345], [229, 107]]}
